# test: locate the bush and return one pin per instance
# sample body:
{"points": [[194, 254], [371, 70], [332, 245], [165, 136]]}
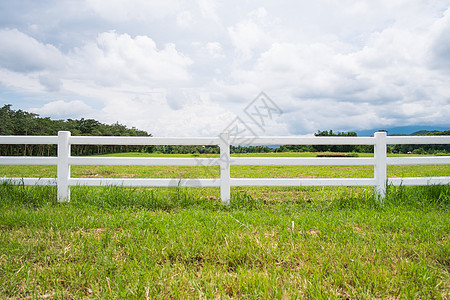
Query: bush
{"points": [[419, 151]]}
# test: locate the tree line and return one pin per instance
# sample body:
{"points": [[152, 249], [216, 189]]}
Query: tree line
{"points": [[415, 149], [328, 148], [19, 122], [423, 149]]}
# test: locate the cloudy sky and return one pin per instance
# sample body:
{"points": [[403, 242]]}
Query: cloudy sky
{"points": [[189, 68]]}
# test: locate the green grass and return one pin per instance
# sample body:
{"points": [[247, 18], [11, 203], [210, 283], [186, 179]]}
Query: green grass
{"points": [[270, 243], [135, 243]]}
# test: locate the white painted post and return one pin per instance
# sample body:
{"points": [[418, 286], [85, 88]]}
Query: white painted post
{"points": [[224, 163], [63, 167], [380, 170]]}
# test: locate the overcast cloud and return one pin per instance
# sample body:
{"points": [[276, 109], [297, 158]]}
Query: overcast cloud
{"points": [[188, 68]]}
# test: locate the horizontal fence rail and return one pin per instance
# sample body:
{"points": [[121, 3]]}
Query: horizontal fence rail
{"points": [[135, 141], [325, 140], [380, 161]]}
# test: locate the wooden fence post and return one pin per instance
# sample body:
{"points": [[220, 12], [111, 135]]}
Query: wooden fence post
{"points": [[380, 170], [63, 167], [224, 163]]}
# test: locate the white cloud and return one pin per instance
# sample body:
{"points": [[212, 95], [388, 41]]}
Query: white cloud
{"points": [[325, 87], [184, 19], [20, 82], [208, 9], [250, 34], [61, 109], [51, 82], [214, 49], [440, 43], [22, 53], [307, 70], [196, 116], [132, 10], [117, 58]]}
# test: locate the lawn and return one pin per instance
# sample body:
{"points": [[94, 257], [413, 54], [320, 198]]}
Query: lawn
{"points": [[282, 243]]}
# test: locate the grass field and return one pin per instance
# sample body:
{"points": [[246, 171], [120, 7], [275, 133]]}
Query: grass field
{"points": [[282, 243]]}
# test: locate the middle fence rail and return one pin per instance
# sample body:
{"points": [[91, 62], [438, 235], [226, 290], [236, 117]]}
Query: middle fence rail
{"points": [[380, 161]]}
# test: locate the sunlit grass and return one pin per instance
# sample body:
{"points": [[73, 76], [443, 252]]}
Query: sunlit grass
{"points": [[114, 242]]}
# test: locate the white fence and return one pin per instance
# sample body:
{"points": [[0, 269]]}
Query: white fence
{"points": [[64, 160]]}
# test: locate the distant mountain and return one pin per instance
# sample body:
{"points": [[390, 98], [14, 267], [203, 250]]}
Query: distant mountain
{"points": [[423, 132], [404, 130], [420, 132]]}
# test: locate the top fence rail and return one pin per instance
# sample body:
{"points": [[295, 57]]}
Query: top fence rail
{"points": [[380, 161], [28, 140], [144, 141]]}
